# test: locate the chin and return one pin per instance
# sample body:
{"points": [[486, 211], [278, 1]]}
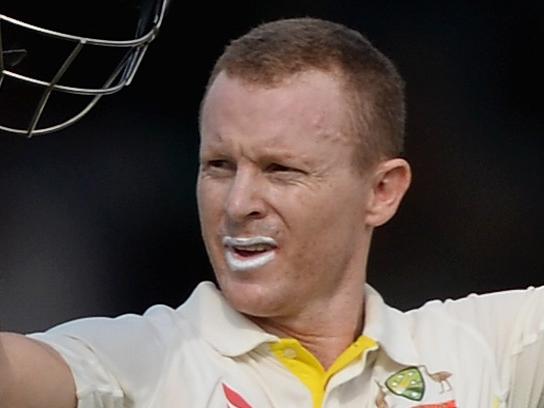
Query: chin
{"points": [[251, 298]]}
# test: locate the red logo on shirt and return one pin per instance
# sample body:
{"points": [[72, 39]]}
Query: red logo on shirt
{"points": [[448, 404], [235, 400]]}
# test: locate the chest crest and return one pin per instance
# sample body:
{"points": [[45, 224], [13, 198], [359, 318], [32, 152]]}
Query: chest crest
{"points": [[416, 387]]}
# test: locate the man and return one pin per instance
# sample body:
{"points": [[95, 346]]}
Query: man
{"points": [[301, 131]]}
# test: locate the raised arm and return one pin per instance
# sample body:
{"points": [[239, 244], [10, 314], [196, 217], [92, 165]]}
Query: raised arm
{"points": [[33, 375]]}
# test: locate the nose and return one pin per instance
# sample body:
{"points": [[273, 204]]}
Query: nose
{"points": [[245, 197]]}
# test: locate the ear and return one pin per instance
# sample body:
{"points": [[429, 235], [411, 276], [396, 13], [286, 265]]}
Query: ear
{"points": [[390, 181]]}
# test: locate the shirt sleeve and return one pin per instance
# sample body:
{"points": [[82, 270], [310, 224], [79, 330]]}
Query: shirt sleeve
{"points": [[512, 324], [116, 363]]}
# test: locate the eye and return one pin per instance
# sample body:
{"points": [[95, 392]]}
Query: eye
{"points": [[275, 168], [219, 164]]}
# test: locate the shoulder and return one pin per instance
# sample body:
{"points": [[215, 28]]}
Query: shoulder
{"points": [[482, 309], [498, 324]]}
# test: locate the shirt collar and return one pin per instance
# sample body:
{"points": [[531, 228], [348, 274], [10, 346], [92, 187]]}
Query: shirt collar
{"points": [[225, 329], [232, 334], [390, 328]]}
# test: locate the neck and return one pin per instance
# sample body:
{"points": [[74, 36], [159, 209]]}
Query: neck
{"points": [[325, 330]]}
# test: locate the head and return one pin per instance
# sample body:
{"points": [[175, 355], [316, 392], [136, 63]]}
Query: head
{"points": [[301, 127]]}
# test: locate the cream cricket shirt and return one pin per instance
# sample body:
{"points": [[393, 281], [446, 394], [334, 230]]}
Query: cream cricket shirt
{"points": [[477, 352]]}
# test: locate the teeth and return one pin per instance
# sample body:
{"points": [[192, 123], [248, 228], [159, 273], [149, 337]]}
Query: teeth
{"points": [[260, 242], [253, 248]]}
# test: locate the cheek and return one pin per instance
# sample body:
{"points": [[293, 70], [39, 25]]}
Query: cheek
{"points": [[308, 219], [209, 219], [199, 192], [324, 222], [312, 209], [209, 195], [207, 206]]}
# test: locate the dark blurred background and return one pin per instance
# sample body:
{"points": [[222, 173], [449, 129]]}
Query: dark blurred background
{"points": [[101, 219]]}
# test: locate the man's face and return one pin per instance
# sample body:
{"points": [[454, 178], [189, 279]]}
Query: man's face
{"points": [[282, 207]]}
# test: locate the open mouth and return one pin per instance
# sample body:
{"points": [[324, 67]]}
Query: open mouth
{"points": [[247, 253]]}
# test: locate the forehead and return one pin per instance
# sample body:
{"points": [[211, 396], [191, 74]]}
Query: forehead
{"points": [[307, 107]]}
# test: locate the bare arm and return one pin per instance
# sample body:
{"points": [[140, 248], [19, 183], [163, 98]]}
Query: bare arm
{"points": [[33, 375]]}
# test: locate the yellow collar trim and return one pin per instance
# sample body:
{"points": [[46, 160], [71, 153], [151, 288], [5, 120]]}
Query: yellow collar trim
{"points": [[307, 368]]}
